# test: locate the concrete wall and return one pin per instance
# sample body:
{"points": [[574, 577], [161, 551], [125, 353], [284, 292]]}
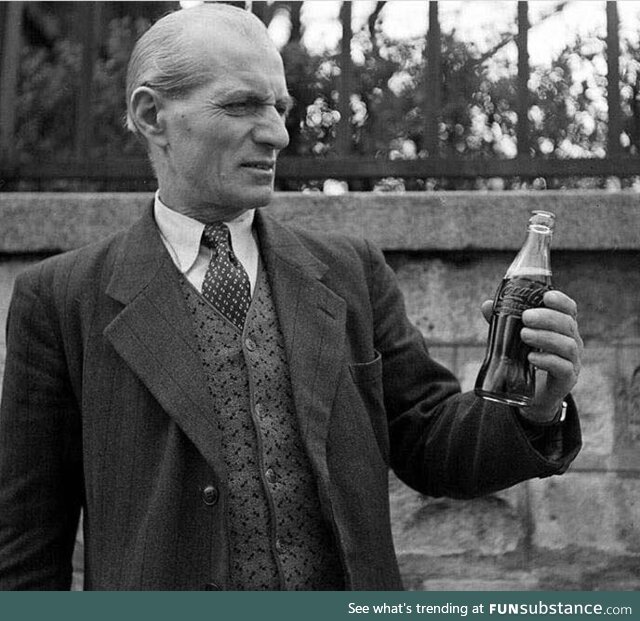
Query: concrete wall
{"points": [[449, 250]]}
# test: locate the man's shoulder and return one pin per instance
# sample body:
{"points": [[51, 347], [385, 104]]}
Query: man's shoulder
{"points": [[81, 265], [330, 244]]}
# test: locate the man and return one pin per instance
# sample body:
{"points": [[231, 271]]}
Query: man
{"points": [[223, 402]]}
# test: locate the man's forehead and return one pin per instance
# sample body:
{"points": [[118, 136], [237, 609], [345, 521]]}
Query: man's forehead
{"points": [[234, 51], [250, 82], [239, 62], [220, 35]]}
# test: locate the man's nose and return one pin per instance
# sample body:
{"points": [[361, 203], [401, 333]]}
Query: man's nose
{"points": [[271, 129]]}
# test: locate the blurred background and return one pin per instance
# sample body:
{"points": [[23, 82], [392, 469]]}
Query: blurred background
{"points": [[395, 95]]}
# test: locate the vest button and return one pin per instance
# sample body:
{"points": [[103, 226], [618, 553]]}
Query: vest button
{"points": [[279, 546], [270, 475], [210, 495], [250, 344]]}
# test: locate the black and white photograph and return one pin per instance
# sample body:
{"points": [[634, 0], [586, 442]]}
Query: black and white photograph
{"points": [[321, 296]]}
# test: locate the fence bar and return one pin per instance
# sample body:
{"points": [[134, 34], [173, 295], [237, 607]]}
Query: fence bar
{"points": [[432, 82], [304, 168], [89, 14], [613, 79], [522, 105], [343, 137], [373, 168], [261, 10], [9, 69]]}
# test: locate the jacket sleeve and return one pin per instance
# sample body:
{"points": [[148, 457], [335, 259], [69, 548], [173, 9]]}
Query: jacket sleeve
{"points": [[444, 442], [40, 469]]}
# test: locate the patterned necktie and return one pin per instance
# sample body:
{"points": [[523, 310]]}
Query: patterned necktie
{"points": [[226, 283]]}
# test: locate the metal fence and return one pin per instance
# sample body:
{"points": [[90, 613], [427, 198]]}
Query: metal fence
{"points": [[359, 172]]}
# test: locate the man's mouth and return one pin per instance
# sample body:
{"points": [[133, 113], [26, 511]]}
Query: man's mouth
{"points": [[266, 165]]}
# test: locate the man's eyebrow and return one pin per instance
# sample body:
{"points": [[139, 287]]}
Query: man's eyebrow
{"points": [[244, 93], [237, 93]]}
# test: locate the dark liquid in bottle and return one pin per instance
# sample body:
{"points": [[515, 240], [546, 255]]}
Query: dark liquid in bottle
{"points": [[506, 375]]}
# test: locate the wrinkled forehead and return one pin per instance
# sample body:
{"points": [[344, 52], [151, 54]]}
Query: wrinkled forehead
{"points": [[235, 47]]}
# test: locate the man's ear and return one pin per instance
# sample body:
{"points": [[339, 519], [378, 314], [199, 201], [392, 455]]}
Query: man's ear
{"points": [[146, 105]]}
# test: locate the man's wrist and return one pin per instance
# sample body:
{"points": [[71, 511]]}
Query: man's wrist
{"points": [[559, 417]]}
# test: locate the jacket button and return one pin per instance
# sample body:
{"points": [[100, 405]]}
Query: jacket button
{"points": [[210, 495], [250, 344], [211, 586]]}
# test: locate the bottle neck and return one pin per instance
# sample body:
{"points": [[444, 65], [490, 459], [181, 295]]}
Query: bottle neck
{"points": [[533, 261]]}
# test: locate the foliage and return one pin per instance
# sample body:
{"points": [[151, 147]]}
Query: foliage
{"points": [[49, 80], [109, 82], [569, 117], [46, 99], [477, 120]]}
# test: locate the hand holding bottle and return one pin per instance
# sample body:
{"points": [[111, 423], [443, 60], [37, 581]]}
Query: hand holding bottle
{"points": [[534, 347], [552, 333]]}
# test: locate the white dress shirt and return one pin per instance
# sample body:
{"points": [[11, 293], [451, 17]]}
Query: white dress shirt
{"points": [[182, 236]]}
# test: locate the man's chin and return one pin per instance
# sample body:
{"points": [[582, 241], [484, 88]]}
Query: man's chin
{"points": [[253, 200]]}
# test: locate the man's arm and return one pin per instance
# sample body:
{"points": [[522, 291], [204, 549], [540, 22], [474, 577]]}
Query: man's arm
{"points": [[444, 442], [40, 448]]}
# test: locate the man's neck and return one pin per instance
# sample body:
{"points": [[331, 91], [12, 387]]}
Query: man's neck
{"points": [[202, 212]]}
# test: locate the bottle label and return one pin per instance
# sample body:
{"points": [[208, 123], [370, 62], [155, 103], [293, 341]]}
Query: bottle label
{"points": [[517, 295]]}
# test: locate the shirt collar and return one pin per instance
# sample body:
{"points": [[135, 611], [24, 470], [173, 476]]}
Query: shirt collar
{"points": [[183, 234]]}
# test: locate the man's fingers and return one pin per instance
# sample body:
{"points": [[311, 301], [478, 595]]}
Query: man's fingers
{"points": [[552, 320], [551, 331], [563, 371], [558, 314], [564, 346], [559, 301], [553, 300], [552, 328]]}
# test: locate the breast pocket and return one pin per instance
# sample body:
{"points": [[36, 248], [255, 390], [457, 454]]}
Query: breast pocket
{"points": [[367, 377]]}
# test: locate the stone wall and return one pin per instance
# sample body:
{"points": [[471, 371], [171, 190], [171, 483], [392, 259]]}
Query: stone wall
{"points": [[449, 250]]}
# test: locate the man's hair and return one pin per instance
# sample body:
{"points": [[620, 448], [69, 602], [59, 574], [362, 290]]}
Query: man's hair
{"points": [[163, 58]]}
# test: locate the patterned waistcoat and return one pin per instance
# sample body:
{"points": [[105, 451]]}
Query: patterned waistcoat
{"points": [[279, 538]]}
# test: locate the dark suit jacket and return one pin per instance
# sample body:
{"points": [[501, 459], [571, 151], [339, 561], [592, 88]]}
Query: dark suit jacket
{"points": [[105, 408]]}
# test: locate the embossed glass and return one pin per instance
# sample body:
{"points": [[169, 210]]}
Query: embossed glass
{"points": [[506, 376]]}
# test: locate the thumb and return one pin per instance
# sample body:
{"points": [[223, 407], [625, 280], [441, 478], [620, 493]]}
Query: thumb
{"points": [[487, 307]]}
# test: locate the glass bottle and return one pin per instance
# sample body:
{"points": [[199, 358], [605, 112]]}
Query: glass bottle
{"points": [[506, 376]]}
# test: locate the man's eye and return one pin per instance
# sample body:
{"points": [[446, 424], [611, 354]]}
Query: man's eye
{"points": [[242, 107]]}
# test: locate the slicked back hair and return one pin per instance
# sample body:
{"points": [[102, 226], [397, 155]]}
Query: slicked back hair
{"points": [[163, 58]]}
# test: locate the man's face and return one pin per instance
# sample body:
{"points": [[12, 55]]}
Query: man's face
{"points": [[224, 137]]}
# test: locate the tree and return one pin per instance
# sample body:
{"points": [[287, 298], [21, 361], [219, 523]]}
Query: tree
{"points": [[568, 115]]}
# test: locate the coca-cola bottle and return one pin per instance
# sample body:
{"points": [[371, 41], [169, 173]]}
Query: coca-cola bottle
{"points": [[506, 375]]}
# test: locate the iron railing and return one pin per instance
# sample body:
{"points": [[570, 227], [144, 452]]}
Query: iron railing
{"points": [[136, 173]]}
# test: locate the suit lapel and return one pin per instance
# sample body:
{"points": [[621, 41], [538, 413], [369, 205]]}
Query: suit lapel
{"points": [[153, 334], [312, 320]]}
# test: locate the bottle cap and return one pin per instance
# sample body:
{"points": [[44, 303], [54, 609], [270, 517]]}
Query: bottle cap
{"points": [[542, 221]]}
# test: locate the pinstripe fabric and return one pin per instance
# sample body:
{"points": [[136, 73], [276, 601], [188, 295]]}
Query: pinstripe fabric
{"points": [[105, 406]]}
